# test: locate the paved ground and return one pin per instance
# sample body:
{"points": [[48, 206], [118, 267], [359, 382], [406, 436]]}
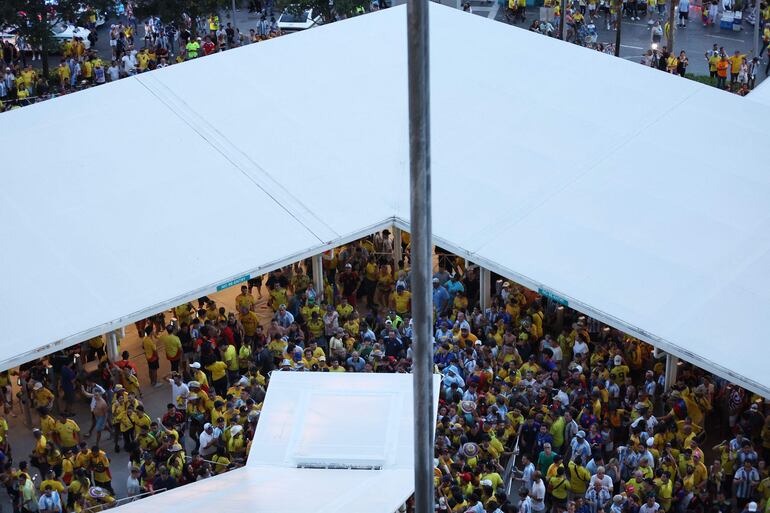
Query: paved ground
{"points": [[695, 39]]}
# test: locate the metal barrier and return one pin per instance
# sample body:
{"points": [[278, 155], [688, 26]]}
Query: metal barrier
{"points": [[510, 469], [120, 502]]}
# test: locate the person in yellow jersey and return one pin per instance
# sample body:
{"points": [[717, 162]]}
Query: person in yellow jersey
{"points": [[230, 358], [244, 358], [41, 396], [218, 370], [401, 301], [47, 423], [236, 445], [736, 59], [245, 300], [172, 347], [99, 465], [150, 346], [67, 433]]}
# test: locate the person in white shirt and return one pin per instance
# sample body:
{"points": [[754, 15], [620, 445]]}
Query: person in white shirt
{"points": [[601, 477], [538, 493], [133, 483], [580, 347], [208, 441], [113, 72], [179, 391], [650, 506]]}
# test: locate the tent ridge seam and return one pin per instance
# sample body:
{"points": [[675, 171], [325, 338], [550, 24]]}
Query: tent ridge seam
{"points": [[199, 131]]}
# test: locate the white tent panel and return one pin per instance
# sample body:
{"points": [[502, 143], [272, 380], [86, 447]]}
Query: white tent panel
{"points": [[314, 116], [337, 419], [619, 201], [140, 214], [327, 418], [285, 490], [663, 252]]}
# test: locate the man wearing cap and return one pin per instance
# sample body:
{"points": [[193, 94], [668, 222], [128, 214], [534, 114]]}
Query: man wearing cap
{"points": [[580, 448], [348, 281], [440, 297]]}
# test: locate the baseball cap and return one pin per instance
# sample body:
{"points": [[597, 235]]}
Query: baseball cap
{"points": [[195, 365], [752, 506]]}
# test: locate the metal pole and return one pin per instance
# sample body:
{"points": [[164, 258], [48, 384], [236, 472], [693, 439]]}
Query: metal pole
{"points": [[563, 21], [672, 367], [318, 277], [757, 17], [485, 282], [234, 25], [397, 252], [617, 33], [422, 262]]}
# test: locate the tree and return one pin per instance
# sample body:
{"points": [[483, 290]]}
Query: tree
{"points": [[32, 19], [328, 10], [179, 12]]}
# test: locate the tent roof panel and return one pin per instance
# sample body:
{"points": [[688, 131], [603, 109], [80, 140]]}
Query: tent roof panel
{"points": [[621, 202]]}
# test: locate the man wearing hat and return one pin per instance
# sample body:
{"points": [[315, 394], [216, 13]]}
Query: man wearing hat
{"points": [[440, 297], [580, 447]]}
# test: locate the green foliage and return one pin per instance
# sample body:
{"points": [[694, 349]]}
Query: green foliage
{"points": [[328, 10], [178, 12], [703, 79], [32, 19]]}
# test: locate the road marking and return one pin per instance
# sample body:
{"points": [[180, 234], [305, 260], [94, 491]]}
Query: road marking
{"points": [[634, 47], [729, 39]]}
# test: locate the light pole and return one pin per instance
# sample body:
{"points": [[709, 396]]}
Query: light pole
{"points": [[420, 211]]}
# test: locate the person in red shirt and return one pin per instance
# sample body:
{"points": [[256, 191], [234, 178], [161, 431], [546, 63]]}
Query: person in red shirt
{"points": [[126, 362], [208, 46]]}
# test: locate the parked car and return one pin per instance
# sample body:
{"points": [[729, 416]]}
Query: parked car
{"points": [[292, 21]]}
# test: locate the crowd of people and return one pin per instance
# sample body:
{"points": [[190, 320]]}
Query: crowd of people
{"points": [[162, 45], [583, 408], [736, 73]]}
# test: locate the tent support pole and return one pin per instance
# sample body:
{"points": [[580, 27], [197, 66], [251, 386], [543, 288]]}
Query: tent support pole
{"points": [[397, 253], [318, 277], [485, 279], [111, 343], [421, 258], [672, 366]]}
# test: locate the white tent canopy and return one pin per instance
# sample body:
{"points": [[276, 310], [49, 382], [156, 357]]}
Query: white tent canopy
{"points": [[596, 180], [327, 418]]}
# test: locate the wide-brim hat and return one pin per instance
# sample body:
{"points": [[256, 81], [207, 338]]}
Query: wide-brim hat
{"points": [[470, 449]]}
